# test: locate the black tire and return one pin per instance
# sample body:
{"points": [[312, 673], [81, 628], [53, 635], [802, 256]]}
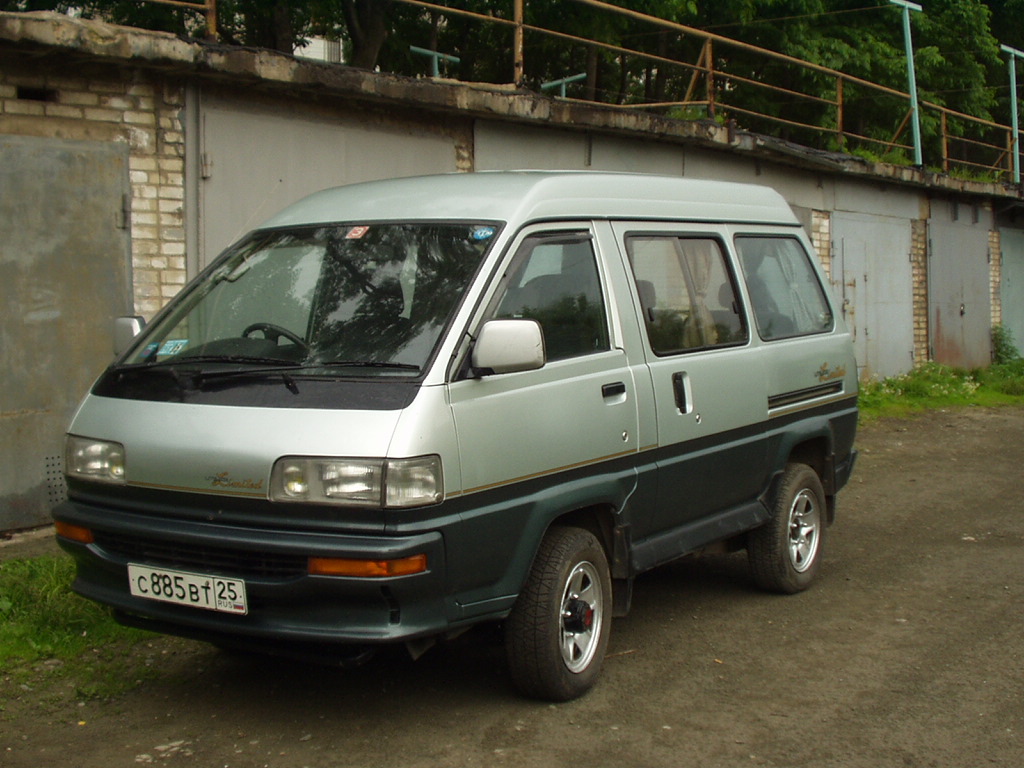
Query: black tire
{"points": [[785, 553], [557, 633]]}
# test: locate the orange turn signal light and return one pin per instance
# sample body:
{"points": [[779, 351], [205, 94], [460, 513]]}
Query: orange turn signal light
{"points": [[341, 566], [74, 532]]}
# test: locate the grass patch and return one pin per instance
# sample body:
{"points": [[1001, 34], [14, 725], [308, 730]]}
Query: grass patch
{"points": [[940, 386], [42, 622]]}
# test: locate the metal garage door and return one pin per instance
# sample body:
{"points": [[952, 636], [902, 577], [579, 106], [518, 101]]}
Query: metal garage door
{"points": [[872, 279], [959, 301], [256, 159], [1012, 286], [64, 275]]}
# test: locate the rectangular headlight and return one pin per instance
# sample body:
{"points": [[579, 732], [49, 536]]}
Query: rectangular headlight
{"points": [[99, 460], [351, 482], [395, 483]]}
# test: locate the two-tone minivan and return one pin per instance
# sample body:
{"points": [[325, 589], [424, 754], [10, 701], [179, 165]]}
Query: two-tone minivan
{"points": [[403, 408]]}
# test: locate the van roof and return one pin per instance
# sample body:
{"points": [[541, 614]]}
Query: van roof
{"points": [[525, 196]]}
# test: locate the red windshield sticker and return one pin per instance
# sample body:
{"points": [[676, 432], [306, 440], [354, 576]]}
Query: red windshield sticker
{"points": [[356, 232]]}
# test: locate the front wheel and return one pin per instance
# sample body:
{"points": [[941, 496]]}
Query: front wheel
{"points": [[785, 553], [558, 630]]}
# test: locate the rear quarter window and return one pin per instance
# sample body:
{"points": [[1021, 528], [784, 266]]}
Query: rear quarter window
{"points": [[785, 294]]}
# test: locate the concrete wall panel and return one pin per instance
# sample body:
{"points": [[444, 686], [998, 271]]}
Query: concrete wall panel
{"points": [[64, 276], [510, 147], [877, 199], [504, 147]]}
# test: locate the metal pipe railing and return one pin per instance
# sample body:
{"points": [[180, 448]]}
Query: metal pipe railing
{"points": [[722, 89], [208, 9]]}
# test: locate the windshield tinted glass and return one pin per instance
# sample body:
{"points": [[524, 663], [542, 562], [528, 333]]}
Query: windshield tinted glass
{"points": [[371, 298]]}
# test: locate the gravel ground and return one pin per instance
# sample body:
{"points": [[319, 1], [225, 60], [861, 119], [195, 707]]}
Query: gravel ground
{"points": [[908, 652]]}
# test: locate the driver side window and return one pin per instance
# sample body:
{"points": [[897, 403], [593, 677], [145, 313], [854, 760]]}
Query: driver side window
{"points": [[554, 280]]}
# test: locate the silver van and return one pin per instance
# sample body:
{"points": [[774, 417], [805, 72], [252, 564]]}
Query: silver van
{"points": [[403, 408]]}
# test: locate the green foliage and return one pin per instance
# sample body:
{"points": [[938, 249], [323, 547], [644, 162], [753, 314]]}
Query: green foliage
{"points": [[1005, 379], [1006, 19], [939, 386], [957, 57], [1003, 348], [35, 5], [893, 157], [973, 174], [41, 618]]}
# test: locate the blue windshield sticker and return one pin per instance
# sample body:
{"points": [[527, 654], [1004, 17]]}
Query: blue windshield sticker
{"points": [[173, 346], [483, 233]]}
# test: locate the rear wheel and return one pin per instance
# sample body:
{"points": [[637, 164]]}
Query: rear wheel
{"points": [[558, 630], [785, 553]]}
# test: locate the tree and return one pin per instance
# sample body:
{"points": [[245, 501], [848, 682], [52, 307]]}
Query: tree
{"points": [[366, 23], [1008, 19], [956, 55]]}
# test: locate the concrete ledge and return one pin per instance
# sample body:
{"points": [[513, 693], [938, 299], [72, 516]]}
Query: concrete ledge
{"points": [[18, 545]]}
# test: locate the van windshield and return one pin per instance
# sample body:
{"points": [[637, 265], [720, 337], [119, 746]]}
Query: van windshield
{"points": [[356, 299]]}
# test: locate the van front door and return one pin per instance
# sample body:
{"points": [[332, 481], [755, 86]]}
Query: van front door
{"points": [[535, 444]]}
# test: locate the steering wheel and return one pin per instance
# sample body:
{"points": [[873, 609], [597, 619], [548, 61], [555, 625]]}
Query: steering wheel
{"points": [[274, 333]]}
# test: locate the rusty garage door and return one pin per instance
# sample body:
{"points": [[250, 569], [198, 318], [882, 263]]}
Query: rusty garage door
{"points": [[64, 275], [872, 279], [959, 299]]}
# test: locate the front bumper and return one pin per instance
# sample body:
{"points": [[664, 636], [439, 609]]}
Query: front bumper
{"points": [[286, 603]]}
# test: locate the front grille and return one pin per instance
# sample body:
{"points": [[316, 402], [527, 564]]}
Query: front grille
{"points": [[202, 558]]}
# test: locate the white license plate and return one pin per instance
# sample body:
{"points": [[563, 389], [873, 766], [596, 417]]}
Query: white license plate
{"points": [[214, 593]]}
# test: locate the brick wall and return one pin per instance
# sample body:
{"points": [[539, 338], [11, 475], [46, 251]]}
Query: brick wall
{"points": [[821, 239], [135, 110], [995, 250], [919, 279]]}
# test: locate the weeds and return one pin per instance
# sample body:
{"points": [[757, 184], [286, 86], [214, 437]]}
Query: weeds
{"points": [[893, 157], [940, 386], [42, 620], [1003, 349]]}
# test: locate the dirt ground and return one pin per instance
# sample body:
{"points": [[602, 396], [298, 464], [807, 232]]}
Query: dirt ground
{"points": [[908, 652]]}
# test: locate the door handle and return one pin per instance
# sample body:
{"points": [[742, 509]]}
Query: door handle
{"points": [[681, 388], [613, 390]]}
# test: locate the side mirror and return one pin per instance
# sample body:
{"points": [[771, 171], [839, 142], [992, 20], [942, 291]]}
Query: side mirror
{"points": [[125, 330], [508, 346]]}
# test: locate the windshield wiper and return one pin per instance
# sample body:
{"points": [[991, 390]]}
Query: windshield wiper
{"points": [[275, 361], [201, 376], [187, 377], [189, 360], [363, 364], [296, 367], [287, 368]]}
